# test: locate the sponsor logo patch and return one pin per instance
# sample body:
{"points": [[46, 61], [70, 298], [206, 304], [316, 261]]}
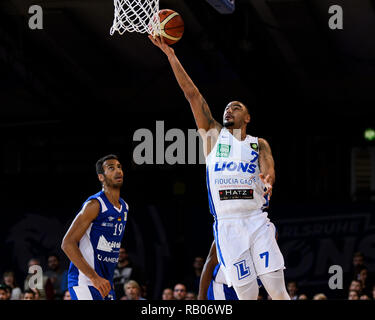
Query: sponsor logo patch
{"points": [[254, 146], [223, 150], [235, 194], [107, 224], [107, 246]]}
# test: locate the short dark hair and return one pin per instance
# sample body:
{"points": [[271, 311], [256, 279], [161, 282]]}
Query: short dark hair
{"points": [[355, 280], [53, 255], [5, 287], [99, 163], [358, 254], [246, 107], [30, 291]]}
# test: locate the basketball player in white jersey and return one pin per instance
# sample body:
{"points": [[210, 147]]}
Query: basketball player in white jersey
{"points": [[240, 174]]}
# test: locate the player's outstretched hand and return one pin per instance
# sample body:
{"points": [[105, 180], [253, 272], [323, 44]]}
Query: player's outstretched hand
{"points": [[159, 42], [267, 183], [103, 285]]}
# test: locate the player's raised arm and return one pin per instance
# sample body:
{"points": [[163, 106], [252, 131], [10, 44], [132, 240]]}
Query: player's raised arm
{"points": [[208, 269], [267, 165], [70, 245], [199, 106]]}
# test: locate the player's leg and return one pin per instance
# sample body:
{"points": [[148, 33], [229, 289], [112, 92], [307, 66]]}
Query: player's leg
{"points": [[269, 262], [242, 276], [249, 291], [274, 284], [232, 247]]}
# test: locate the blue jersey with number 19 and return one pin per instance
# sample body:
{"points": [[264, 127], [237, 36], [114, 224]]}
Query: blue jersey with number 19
{"points": [[100, 245]]}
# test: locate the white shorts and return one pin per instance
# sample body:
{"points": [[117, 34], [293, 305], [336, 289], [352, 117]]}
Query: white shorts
{"points": [[88, 293], [247, 248]]}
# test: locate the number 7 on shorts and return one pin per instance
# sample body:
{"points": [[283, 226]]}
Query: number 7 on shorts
{"points": [[265, 254]]}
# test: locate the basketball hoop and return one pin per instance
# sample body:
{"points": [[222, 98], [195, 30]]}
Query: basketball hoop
{"points": [[136, 16]]}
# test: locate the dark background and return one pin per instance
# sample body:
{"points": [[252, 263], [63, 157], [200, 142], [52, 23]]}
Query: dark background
{"points": [[71, 93]]}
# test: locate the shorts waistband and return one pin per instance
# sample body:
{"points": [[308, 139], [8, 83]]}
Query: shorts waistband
{"points": [[242, 215]]}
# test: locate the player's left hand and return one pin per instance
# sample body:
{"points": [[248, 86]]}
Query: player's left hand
{"points": [[267, 183], [159, 42]]}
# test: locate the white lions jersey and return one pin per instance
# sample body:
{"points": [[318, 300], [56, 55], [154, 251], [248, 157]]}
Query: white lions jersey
{"points": [[233, 183]]}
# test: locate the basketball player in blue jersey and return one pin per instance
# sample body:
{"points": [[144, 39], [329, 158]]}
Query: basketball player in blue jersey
{"points": [[93, 240], [240, 175]]}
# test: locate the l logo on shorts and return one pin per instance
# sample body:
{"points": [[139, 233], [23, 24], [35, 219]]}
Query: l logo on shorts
{"points": [[242, 269]]}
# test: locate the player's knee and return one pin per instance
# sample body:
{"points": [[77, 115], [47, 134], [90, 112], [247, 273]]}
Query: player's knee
{"points": [[275, 285], [279, 294], [249, 291]]}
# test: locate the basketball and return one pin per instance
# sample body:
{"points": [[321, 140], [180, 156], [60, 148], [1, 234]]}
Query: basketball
{"points": [[171, 26]]}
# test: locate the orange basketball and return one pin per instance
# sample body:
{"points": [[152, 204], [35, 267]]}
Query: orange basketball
{"points": [[171, 26]]}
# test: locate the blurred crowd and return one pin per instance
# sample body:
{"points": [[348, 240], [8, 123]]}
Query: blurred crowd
{"points": [[129, 283]]}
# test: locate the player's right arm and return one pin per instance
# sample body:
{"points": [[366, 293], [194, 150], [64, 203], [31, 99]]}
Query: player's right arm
{"points": [[70, 245], [207, 272], [202, 113]]}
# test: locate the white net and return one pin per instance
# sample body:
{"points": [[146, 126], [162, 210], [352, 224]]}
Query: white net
{"points": [[136, 16]]}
